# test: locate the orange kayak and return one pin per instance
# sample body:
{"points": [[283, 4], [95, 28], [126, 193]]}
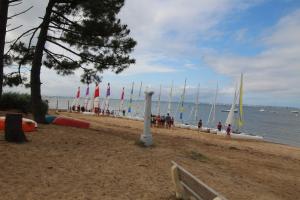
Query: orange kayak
{"points": [[66, 121], [28, 125]]}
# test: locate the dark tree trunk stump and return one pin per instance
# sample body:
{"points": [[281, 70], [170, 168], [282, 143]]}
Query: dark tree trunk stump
{"points": [[13, 129]]}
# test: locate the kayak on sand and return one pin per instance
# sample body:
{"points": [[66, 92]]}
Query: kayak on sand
{"points": [[28, 125]]}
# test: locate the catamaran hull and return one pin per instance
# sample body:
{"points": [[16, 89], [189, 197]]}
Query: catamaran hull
{"points": [[240, 136]]}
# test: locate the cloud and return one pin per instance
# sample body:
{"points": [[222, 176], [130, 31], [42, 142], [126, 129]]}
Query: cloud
{"points": [[145, 65], [274, 71], [173, 28]]}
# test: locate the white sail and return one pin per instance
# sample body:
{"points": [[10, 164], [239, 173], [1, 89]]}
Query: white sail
{"points": [[230, 118], [170, 99], [139, 106]]}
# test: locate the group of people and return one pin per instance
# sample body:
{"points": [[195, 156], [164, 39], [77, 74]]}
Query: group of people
{"points": [[162, 121], [96, 110], [219, 127]]}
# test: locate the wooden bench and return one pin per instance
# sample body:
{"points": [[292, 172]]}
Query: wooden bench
{"points": [[188, 187]]}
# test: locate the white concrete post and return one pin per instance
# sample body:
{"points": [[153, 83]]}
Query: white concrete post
{"points": [[146, 136]]}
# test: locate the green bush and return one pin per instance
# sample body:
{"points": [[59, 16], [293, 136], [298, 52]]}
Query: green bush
{"points": [[17, 101]]}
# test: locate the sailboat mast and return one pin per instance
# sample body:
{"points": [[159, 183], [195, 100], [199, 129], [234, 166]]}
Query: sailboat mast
{"points": [[158, 102], [140, 91], [216, 95], [170, 99], [197, 104], [182, 101], [213, 108]]}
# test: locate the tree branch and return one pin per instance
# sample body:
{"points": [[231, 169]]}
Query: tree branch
{"points": [[14, 28], [12, 1], [68, 49], [22, 35], [10, 5], [59, 55], [20, 13], [65, 18]]}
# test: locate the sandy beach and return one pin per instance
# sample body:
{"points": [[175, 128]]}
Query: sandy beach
{"points": [[105, 162]]}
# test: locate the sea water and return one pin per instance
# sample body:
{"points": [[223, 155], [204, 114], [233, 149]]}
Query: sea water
{"points": [[275, 124]]}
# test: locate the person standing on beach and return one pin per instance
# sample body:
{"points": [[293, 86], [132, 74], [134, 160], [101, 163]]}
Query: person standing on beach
{"points": [[219, 126], [168, 120], [199, 124], [228, 130]]}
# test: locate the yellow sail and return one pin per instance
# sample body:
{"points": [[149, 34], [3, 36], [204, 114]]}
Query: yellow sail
{"points": [[241, 112]]}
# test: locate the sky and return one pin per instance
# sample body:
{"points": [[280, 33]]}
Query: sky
{"points": [[207, 42]]}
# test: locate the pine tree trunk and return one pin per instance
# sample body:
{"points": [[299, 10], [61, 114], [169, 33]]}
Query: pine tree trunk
{"points": [[35, 79], [13, 129], [3, 22]]}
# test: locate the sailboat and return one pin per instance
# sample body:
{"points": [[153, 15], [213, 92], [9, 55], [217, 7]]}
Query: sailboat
{"points": [[96, 100], [170, 100], [158, 101], [212, 115], [239, 120], [230, 118], [107, 98], [88, 103], [75, 104], [181, 109], [130, 105], [122, 102], [86, 100], [139, 106], [195, 111]]}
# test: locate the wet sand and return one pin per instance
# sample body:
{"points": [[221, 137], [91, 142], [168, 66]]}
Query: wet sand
{"points": [[104, 162]]}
